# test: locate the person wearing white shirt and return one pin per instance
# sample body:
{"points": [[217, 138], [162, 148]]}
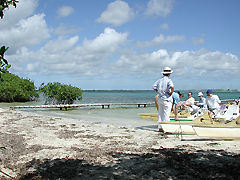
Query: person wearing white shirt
{"points": [[164, 87], [190, 101], [202, 101], [213, 101]]}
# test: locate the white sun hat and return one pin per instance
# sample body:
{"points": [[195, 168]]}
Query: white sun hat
{"points": [[200, 94], [167, 70]]}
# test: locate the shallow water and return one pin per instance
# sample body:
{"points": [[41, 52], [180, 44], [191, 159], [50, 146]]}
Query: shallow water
{"points": [[127, 117], [120, 116]]}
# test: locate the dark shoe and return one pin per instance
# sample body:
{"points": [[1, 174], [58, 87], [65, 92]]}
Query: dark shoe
{"points": [[160, 130]]}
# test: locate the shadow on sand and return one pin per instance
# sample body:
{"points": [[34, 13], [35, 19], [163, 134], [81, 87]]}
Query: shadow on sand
{"points": [[159, 164], [149, 128]]}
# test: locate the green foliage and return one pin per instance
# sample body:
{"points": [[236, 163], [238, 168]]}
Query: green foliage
{"points": [[16, 89], [5, 4], [57, 93], [4, 66]]}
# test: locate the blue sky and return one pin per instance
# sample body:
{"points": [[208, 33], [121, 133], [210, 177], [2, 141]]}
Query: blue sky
{"points": [[117, 44]]}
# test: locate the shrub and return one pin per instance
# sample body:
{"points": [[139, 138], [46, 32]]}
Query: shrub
{"points": [[57, 93], [16, 89]]}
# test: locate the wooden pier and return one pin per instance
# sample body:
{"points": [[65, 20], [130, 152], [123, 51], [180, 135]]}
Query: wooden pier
{"points": [[66, 106], [103, 105]]}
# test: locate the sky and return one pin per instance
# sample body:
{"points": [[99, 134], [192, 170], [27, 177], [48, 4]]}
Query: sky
{"points": [[124, 44]]}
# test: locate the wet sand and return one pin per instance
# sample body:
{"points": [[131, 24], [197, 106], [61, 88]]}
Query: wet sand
{"points": [[43, 147]]}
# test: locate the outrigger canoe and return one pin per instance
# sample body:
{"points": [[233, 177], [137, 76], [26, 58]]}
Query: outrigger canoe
{"points": [[206, 125], [223, 129], [184, 127]]}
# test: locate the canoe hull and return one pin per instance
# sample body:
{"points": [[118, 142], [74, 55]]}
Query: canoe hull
{"points": [[218, 132], [178, 128]]}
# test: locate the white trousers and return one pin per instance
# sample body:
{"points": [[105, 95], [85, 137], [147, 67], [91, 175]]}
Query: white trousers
{"points": [[164, 110]]}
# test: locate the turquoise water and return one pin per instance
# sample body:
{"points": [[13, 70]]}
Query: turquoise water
{"points": [[118, 96], [140, 96], [120, 116]]}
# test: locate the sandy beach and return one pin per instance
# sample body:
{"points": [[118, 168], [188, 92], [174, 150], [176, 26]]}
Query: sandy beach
{"points": [[34, 146]]}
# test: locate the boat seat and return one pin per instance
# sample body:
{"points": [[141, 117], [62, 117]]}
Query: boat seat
{"points": [[232, 112]]}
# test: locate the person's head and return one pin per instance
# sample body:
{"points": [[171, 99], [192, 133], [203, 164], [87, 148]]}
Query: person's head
{"points": [[180, 94], [209, 93], [189, 94], [200, 95], [167, 71]]}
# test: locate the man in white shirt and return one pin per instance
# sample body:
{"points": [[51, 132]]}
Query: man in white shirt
{"points": [[190, 101], [164, 87], [213, 101]]}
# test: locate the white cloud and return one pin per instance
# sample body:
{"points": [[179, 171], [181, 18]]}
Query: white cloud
{"points": [[24, 9], [161, 39], [167, 39], [106, 42], [92, 57], [187, 63], [66, 56], [159, 7], [26, 32], [164, 26], [117, 13], [65, 11], [59, 45]]}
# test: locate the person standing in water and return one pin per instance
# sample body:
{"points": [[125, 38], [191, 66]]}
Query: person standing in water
{"points": [[164, 87]]}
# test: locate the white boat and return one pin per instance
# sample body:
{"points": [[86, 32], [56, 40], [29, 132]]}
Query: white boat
{"points": [[228, 113], [202, 122], [184, 127], [178, 127], [227, 127], [222, 131]]}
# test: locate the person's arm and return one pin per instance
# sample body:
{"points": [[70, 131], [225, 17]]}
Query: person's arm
{"points": [[207, 103], [155, 86], [219, 101], [171, 90], [156, 101]]}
